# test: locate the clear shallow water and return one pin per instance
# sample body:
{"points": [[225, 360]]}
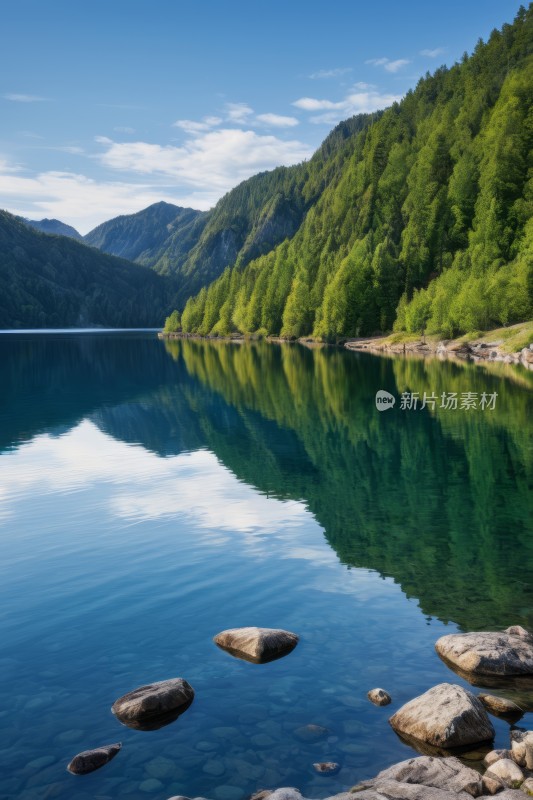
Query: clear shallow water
{"points": [[152, 495]]}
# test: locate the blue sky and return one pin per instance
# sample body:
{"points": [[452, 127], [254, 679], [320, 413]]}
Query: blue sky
{"points": [[109, 106]]}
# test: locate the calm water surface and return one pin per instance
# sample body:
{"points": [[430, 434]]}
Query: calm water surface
{"points": [[154, 494]]}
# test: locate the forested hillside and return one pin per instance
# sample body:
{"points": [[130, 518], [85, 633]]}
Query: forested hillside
{"points": [[143, 237], [195, 247], [421, 220], [54, 281]]}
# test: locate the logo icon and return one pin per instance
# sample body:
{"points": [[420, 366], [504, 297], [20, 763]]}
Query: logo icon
{"points": [[384, 400]]}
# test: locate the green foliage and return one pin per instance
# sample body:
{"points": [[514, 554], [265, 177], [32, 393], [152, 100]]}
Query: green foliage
{"points": [[416, 218], [173, 323]]}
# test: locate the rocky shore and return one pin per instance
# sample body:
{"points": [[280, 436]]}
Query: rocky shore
{"points": [[448, 723], [489, 347]]}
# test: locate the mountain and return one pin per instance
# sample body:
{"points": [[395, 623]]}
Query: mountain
{"points": [[54, 281], [421, 219], [54, 226], [142, 237], [195, 247]]}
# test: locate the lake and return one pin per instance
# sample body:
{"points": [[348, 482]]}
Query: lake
{"points": [[155, 493]]}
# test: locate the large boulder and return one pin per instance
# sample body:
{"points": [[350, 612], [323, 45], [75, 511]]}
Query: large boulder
{"points": [[91, 760], [258, 645], [448, 774], [154, 705], [445, 716], [489, 653]]}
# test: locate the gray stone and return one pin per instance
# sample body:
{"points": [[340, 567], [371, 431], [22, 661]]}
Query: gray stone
{"points": [[489, 653], [379, 697], [508, 772], [500, 706], [445, 716], [438, 773], [522, 748], [495, 755], [91, 760], [527, 787], [258, 645], [147, 706]]}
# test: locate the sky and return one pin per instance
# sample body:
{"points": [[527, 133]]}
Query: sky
{"points": [[107, 107]]}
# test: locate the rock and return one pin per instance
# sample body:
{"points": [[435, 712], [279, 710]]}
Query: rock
{"points": [[285, 793], [438, 773], [379, 697], [489, 653], [446, 716], [213, 767], [491, 784], [495, 755], [327, 768], [258, 645], [262, 794], [508, 772], [91, 760], [527, 787], [522, 748], [500, 706], [150, 785], [311, 733], [154, 705]]}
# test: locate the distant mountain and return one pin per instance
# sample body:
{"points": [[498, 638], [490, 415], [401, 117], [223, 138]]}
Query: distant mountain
{"points": [[53, 281], [251, 219], [53, 226], [143, 237]]}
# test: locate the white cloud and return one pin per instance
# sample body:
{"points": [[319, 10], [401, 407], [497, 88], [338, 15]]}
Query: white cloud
{"points": [[83, 202], [330, 73], [277, 120], [212, 161], [195, 175], [377, 62], [238, 112], [24, 98], [394, 66], [433, 53], [191, 126], [362, 102], [386, 63]]}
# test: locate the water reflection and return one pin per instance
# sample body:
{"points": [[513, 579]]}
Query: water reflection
{"points": [[152, 495]]}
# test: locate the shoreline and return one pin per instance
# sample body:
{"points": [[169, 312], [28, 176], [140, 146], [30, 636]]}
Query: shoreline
{"points": [[478, 349]]}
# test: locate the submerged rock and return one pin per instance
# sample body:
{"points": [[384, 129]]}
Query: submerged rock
{"points": [[311, 733], [258, 645], [489, 653], [379, 697], [91, 760], [446, 716], [152, 706], [327, 767], [423, 778], [500, 706]]}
